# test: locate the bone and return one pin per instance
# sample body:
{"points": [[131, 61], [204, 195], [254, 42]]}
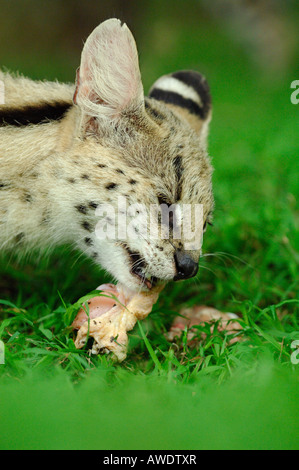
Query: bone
{"points": [[110, 319]]}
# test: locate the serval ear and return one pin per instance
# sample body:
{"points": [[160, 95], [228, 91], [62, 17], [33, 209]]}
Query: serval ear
{"points": [[187, 94], [108, 80]]}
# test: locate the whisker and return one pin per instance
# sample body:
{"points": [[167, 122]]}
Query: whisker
{"points": [[208, 269], [227, 255], [78, 257]]}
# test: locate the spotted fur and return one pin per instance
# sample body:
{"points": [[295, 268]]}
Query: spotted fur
{"points": [[67, 149]]}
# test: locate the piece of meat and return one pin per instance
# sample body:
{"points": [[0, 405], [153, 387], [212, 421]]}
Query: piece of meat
{"points": [[199, 315], [97, 306], [111, 316]]}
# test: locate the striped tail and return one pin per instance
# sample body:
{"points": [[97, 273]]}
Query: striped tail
{"points": [[187, 93]]}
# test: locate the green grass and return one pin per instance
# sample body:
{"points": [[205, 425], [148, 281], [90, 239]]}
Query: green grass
{"points": [[167, 396], [255, 410]]}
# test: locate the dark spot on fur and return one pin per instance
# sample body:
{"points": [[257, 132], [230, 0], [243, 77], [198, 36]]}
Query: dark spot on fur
{"points": [[85, 177], [101, 165], [133, 181], [81, 208], [86, 225], [27, 197], [3, 185], [118, 170], [110, 186], [94, 255], [19, 237], [71, 180], [88, 241], [92, 205]]}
